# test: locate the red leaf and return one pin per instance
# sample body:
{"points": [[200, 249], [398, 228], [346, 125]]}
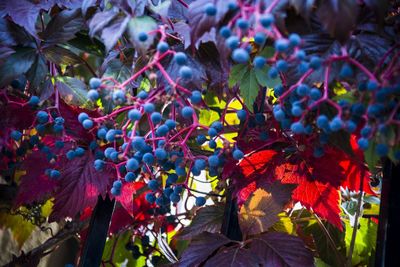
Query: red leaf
{"points": [[14, 116], [80, 185], [120, 219], [34, 185]]}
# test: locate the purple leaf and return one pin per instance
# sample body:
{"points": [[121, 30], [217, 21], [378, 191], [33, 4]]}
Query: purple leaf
{"points": [[111, 34]]}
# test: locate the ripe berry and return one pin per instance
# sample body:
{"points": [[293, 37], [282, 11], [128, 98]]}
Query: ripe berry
{"points": [[366, 131], [281, 45], [79, 151], [175, 198], [156, 117], [315, 62], [225, 32], [148, 158], [42, 116], [150, 198], [132, 164], [138, 143], [351, 126], [16, 135], [322, 122], [267, 20], [241, 114], [302, 90], [282, 65], [336, 124], [300, 54], [187, 112], [55, 174], [170, 123], [278, 90], [210, 9], [142, 95], [200, 139], [259, 62], [142, 36], [162, 130], [98, 164], [273, 73], [134, 115], [279, 114], [93, 95], [200, 164], [153, 185], [200, 201], [180, 58], [259, 38], [297, 128], [117, 184], [148, 107], [115, 191], [87, 124], [162, 47], [315, 94], [242, 24], [372, 85], [382, 150], [118, 97], [363, 143], [213, 161], [34, 100], [212, 132], [185, 73], [94, 83], [296, 110], [240, 55], [346, 71], [59, 144], [212, 144], [294, 39], [237, 154], [130, 177], [160, 153], [232, 42], [110, 135], [196, 97], [70, 154]]}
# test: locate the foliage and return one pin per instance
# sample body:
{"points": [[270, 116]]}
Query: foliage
{"points": [[267, 118]]}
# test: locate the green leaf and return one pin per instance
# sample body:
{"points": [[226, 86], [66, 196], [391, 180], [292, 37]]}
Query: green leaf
{"points": [[365, 242], [207, 219], [264, 80], [16, 65], [267, 52], [206, 117], [249, 88], [83, 42], [117, 70], [60, 55], [236, 74], [73, 91], [371, 157], [138, 25]]}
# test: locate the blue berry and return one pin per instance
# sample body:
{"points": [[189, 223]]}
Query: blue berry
{"points": [[162, 130], [217, 125], [134, 115], [294, 39], [148, 107], [170, 123], [142, 36], [187, 112], [156, 117], [70, 154], [160, 153], [382, 150], [212, 144], [110, 135], [363, 143], [213, 161], [98, 164], [240, 55], [150, 198], [118, 97], [302, 90], [282, 65], [59, 120], [148, 158], [178, 189], [59, 144], [142, 95], [278, 90], [115, 192], [346, 71], [87, 124], [162, 47], [241, 114], [351, 126], [210, 9], [303, 67], [273, 73], [172, 178], [130, 177], [175, 198], [212, 132], [138, 143], [200, 201], [117, 184], [185, 73], [366, 131], [93, 95], [372, 85], [79, 151], [322, 122], [259, 62], [225, 32], [315, 94], [315, 62], [297, 128], [200, 164], [336, 124], [200, 139], [266, 20], [196, 97], [232, 42], [237, 154], [260, 38], [281, 45], [279, 114], [259, 118], [94, 83], [180, 58], [132, 164], [42, 116], [55, 174], [34, 100], [108, 151], [242, 24], [296, 110], [16, 135], [300, 54], [153, 185]]}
